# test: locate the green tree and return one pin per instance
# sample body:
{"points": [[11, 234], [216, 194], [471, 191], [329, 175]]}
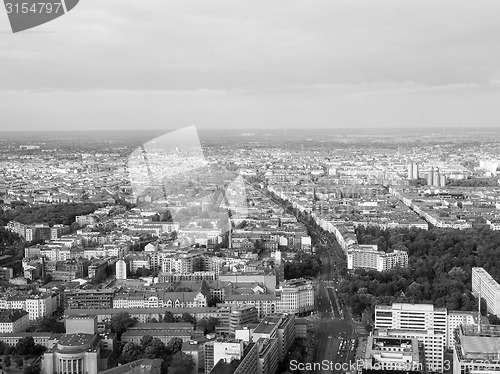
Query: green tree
{"points": [[186, 317], [169, 317], [181, 363], [174, 345], [155, 349], [208, 324], [19, 362], [146, 340], [32, 369], [50, 324], [25, 345], [7, 361], [119, 323], [130, 352]]}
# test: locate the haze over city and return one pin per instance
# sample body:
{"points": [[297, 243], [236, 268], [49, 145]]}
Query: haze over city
{"points": [[254, 64]]}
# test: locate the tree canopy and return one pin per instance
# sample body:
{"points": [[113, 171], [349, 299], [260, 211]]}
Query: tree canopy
{"points": [[439, 271], [304, 265]]}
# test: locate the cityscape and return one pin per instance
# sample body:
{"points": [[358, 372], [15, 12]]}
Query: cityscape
{"points": [[250, 252], [249, 187]]}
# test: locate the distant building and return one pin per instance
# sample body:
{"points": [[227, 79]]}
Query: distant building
{"points": [[89, 299], [6, 273], [121, 269], [369, 257], [413, 170]]}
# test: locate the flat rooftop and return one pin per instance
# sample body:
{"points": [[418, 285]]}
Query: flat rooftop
{"points": [[76, 340]]}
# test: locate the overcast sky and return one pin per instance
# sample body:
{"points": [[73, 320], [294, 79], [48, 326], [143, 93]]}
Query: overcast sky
{"points": [[111, 64]]}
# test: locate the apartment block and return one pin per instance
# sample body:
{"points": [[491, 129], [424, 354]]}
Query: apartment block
{"points": [[295, 296], [484, 284], [422, 321]]}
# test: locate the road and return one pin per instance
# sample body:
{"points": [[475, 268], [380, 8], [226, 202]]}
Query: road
{"points": [[336, 334], [335, 331]]}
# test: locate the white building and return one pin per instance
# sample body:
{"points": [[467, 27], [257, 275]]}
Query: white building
{"points": [[458, 318], [484, 284], [121, 269], [477, 352], [433, 341], [422, 321], [295, 296], [369, 257]]}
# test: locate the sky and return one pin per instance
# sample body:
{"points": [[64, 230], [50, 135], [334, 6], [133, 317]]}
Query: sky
{"points": [[166, 64]]}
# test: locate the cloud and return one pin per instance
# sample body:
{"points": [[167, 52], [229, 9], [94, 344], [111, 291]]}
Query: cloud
{"points": [[279, 62]]}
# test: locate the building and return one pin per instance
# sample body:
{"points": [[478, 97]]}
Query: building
{"points": [[89, 299], [422, 321], [47, 339], [6, 273], [295, 296], [247, 364], [433, 343], [281, 327], [369, 257], [79, 350], [135, 336], [385, 354], [458, 318], [242, 316], [13, 320], [222, 350], [268, 356], [413, 170], [73, 353], [476, 351], [142, 366], [143, 315], [121, 269], [485, 286]]}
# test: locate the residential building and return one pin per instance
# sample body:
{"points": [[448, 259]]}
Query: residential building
{"points": [[485, 286]]}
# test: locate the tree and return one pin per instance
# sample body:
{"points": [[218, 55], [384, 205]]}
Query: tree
{"points": [[155, 349], [25, 345], [174, 345], [7, 361], [146, 340], [38, 349], [19, 362], [130, 352], [50, 324], [2, 348], [208, 324], [10, 350], [120, 323], [181, 363], [169, 317], [186, 317], [32, 369]]}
